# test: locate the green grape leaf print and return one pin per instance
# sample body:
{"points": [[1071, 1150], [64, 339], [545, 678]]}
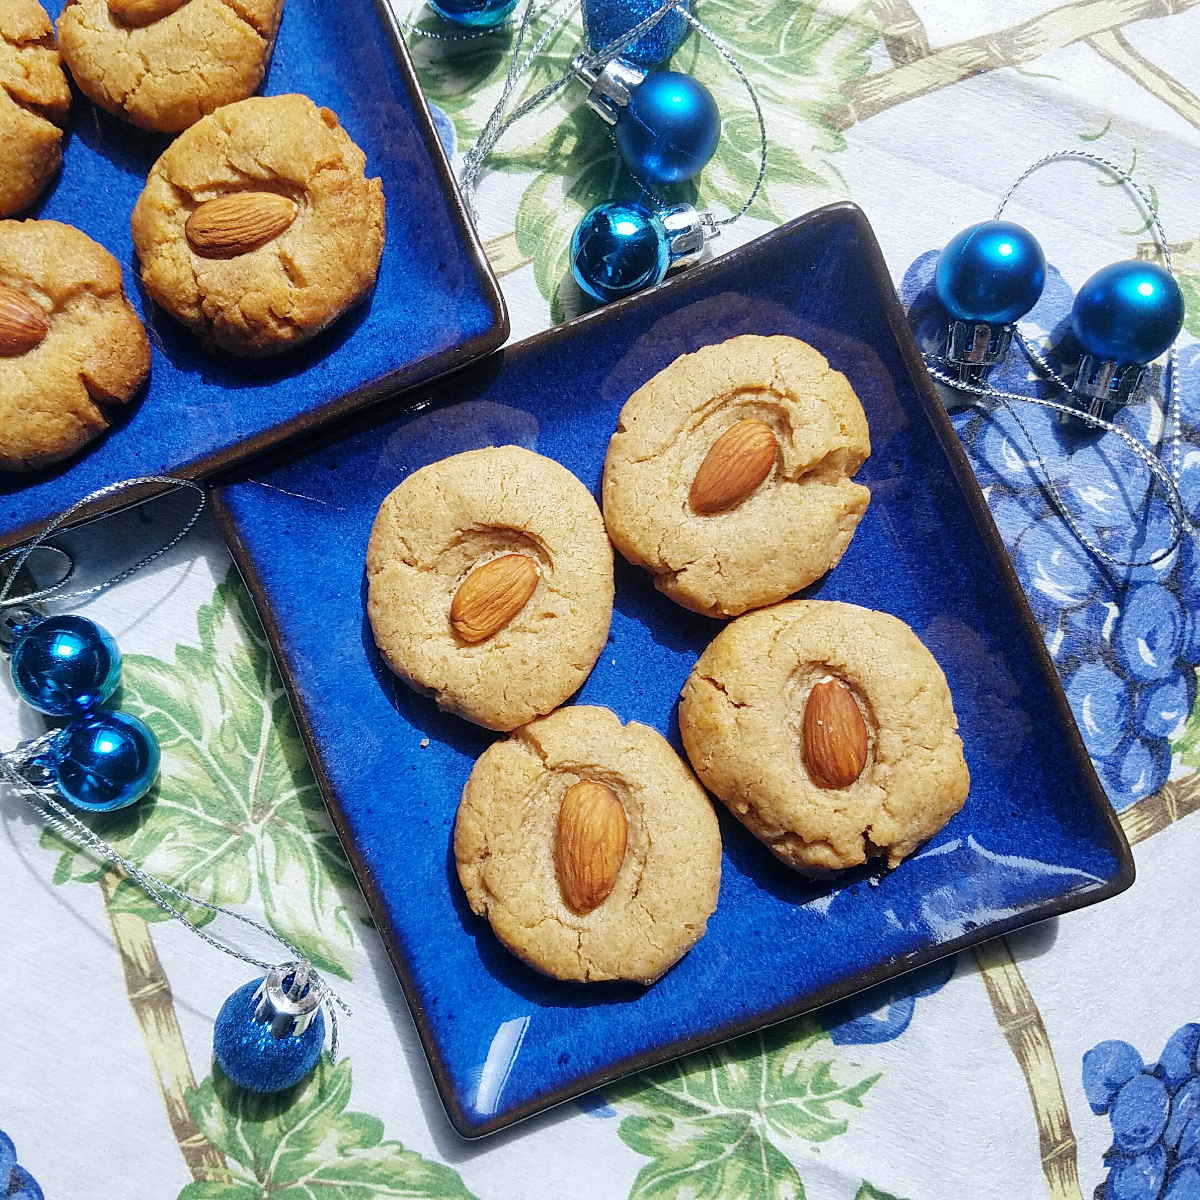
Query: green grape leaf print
{"points": [[236, 809], [712, 1124], [303, 1144]]}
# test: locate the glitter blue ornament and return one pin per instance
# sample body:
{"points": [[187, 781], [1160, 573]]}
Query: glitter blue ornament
{"points": [[619, 248], [1129, 311], [474, 14], [104, 762], [992, 273], [65, 666], [606, 20], [669, 129], [269, 1034]]}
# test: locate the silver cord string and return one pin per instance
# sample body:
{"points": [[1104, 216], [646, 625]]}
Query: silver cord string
{"points": [[1166, 477], [22, 553], [498, 123], [43, 801]]}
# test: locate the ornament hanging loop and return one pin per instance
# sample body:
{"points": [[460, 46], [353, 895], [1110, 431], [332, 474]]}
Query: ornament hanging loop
{"points": [[610, 85], [288, 999]]}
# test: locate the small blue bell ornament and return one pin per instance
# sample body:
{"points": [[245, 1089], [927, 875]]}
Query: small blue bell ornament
{"points": [[474, 14], [666, 124], [621, 247], [604, 21], [1125, 315], [988, 276], [270, 1032]]}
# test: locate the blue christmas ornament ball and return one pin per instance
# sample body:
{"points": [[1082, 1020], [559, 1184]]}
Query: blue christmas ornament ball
{"points": [[619, 248], [104, 762], [670, 128], [252, 1056], [65, 666], [992, 272], [474, 14], [606, 20], [1128, 312]]}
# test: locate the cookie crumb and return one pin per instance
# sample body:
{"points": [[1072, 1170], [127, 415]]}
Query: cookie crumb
{"points": [[424, 743]]}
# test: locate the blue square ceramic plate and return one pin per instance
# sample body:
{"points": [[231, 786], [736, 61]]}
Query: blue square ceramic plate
{"points": [[1035, 838], [435, 307]]}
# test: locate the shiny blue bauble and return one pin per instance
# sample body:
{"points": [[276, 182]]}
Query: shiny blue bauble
{"points": [[1128, 312], [65, 666], [606, 20], [670, 128], [252, 1056], [474, 14], [617, 249], [992, 272], [104, 762]]}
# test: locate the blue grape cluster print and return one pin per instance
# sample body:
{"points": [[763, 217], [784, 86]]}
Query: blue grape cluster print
{"points": [[1126, 643], [16, 1183], [1154, 1111]]}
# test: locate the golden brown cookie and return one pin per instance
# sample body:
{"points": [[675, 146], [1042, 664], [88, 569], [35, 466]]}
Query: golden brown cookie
{"points": [[35, 102], [490, 584], [589, 847], [70, 345], [164, 64], [258, 227], [828, 731], [728, 477]]}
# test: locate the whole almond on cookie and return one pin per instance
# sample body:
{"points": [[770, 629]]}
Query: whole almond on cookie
{"points": [[23, 324], [142, 12], [491, 596], [590, 844], [834, 735], [736, 463], [239, 222]]}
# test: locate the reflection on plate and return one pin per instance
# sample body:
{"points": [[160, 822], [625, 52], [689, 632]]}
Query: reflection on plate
{"points": [[503, 1041]]}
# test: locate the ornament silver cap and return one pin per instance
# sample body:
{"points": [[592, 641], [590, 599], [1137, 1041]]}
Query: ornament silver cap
{"points": [[609, 87], [974, 346], [287, 999], [1103, 385], [688, 232]]}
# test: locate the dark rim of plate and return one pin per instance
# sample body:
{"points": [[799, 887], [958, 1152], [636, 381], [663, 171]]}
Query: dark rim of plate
{"points": [[424, 370], [935, 413]]}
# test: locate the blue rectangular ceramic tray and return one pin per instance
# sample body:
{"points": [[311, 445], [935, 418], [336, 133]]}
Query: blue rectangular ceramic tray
{"points": [[1035, 838], [435, 307]]}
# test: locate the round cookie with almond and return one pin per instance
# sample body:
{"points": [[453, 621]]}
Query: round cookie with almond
{"points": [[589, 847], [490, 584], [35, 102], [72, 350], [164, 64], [258, 226], [828, 730], [729, 474]]}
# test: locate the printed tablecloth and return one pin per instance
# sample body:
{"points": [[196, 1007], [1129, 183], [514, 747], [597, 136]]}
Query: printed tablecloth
{"points": [[990, 1076]]}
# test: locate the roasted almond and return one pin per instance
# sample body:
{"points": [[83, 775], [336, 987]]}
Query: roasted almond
{"points": [[589, 847], [238, 223], [736, 463], [23, 324], [491, 596], [834, 735], [142, 12]]}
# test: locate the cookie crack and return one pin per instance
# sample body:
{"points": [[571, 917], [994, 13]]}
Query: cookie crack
{"points": [[37, 111], [247, 19]]}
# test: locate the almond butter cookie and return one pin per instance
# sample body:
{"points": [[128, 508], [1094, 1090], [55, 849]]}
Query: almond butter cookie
{"points": [[164, 64], [589, 847], [34, 104], [71, 347], [728, 477], [828, 731], [258, 227], [490, 584]]}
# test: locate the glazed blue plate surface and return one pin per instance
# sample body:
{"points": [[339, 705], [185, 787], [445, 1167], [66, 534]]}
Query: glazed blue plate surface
{"points": [[1035, 838], [435, 307]]}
